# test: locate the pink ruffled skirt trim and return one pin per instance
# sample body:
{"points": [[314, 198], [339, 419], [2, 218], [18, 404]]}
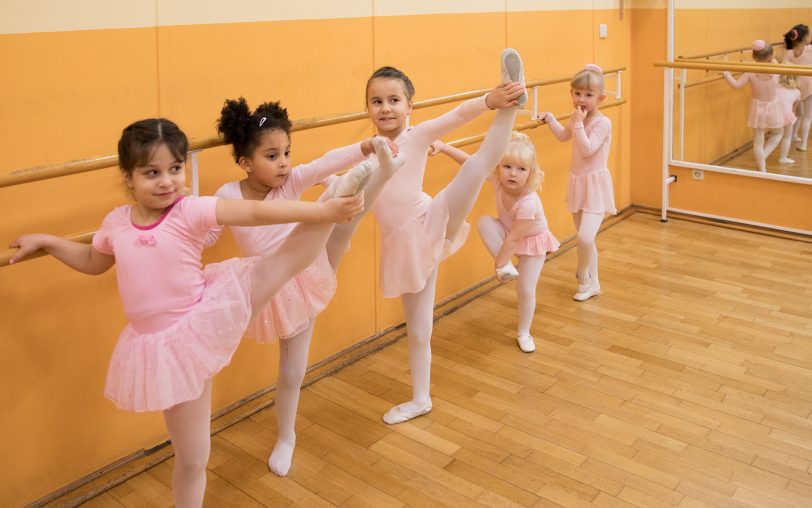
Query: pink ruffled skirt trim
{"points": [[591, 192], [766, 115], [538, 244], [299, 301], [412, 251], [156, 371]]}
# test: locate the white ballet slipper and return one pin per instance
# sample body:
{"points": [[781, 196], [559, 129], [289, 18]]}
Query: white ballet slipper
{"points": [[513, 70], [526, 343], [587, 290], [786, 160], [353, 181], [386, 160], [281, 457], [405, 412], [507, 272]]}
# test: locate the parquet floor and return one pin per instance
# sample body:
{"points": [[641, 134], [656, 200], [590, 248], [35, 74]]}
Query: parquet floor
{"points": [[801, 168], [687, 383]]}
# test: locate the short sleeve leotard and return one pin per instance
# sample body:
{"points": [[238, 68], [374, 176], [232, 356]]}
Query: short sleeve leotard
{"points": [[539, 239], [185, 320]]}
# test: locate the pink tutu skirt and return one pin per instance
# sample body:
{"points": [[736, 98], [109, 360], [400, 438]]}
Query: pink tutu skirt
{"points": [[155, 371], [766, 115], [591, 192], [538, 244], [299, 301], [413, 250]]}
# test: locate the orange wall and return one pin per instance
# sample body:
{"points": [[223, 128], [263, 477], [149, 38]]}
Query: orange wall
{"points": [[74, 91]]}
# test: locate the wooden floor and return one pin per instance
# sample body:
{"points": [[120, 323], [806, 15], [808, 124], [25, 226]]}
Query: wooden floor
{"points": [[801, 168], [687, 383]]}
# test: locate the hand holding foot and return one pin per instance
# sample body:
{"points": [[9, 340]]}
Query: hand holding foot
{"points": [[342, 209], [388, 159], [513, 70]]}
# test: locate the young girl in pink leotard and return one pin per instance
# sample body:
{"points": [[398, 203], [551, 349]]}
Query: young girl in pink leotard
{"points": [[589, 193], [799, 52], [261, 147], [521, 227], [790, 98], [185, 320], [766, 112], [418, 231]]}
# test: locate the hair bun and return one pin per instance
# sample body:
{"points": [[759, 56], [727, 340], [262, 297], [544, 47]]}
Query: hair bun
{"points": [[759, 45], [594, 68]]}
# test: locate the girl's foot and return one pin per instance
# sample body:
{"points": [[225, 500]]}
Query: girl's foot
{"points": [[786, 160], [353, 181], [587, 290], [526, 343], [796, 139], [507, 273], [281, 457], [387, 162], [513, 70], [406, 411], [801, 148]]}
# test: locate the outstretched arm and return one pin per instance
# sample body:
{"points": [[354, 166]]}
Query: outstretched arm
{"points": [[453, 152], [559, 131], [520, 226], [247, 212], [736, 83], [79, 256]]}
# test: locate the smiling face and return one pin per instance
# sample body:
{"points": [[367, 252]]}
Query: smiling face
{"points": [[586, 100], [269, 164], [158, 183], [388, 106]]}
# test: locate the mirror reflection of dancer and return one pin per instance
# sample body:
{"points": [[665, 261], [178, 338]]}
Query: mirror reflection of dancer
{"points": [[418, 231], [589, 192], [790, 98], [261, 146], [185, 320], [520, 227], [766, 113], [800, 53]]}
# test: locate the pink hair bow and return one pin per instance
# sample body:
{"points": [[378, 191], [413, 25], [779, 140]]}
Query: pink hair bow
{"points": [[759, 45], [594, 68]]}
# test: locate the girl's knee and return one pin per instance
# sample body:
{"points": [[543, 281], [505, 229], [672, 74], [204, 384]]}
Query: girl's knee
{"points": [[193, 461], [485, 223], [290, 377]]}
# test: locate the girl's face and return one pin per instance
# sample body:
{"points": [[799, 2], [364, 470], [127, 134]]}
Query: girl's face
{"points": [[160, 182], [269, 165], [513, 175], [388, 106], [586, 100]]}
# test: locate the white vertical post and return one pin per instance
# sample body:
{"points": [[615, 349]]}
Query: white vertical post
{"points": [[668, 99], [619, 80], [195, 174], [683, 79], [535, 102]]}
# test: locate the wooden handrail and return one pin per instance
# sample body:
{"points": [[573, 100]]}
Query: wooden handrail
{"points": [[727, 51], [88, 236], [760, 68], [37, 173]]}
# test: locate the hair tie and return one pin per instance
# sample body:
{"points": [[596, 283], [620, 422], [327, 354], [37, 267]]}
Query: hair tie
{"points": [[793, 34], [594, 68], [759, 45], [262, 121]]}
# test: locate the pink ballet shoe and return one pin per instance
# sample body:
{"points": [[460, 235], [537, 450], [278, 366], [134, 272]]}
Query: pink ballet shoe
{"points": [[405, 412], [786, 160], [507, 273], [587, 290], [353, 181], [513, 70]]}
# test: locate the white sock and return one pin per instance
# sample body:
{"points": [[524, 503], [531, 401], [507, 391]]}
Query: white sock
{"points": [[281, 457]]}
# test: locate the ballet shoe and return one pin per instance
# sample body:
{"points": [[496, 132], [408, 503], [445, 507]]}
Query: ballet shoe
{"points": [[386, 160], [800, 148], [513, 70], [786, 160], [587, 290], [405, 412], [353, 181], [796, 139], [526, 343], [507, 272]]}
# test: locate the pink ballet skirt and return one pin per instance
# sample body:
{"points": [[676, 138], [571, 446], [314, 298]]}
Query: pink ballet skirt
{"points": [[591, 192], [766, 115], [412, 251], [538, 244], [295, 305], [156, 371]]}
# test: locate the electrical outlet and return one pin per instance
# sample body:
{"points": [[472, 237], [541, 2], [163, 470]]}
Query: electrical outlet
{"points": [[603, 30], [698, 174]]}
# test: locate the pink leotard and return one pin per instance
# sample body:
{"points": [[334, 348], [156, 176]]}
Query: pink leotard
{"points": [[538, 239]]}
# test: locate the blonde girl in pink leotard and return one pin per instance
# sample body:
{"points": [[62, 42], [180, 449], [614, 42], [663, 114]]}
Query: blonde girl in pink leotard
{"points": [[589, 192], [261, 143], [417, 230], [186, 320]]}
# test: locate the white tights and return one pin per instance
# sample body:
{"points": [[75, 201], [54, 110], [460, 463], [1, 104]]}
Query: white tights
{"points": [[493, 236], [804, 121], [587, 225], [762, 150], [461, 194], [786, 141]]}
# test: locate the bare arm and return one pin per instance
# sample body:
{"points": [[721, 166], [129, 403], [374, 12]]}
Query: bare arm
{"points": [[79, 256], [453, 152], [241, 212], [512, 241]]}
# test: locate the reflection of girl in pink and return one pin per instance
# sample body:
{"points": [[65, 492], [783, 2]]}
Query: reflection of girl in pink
{"points": [[799, 53], [790, 98], [766, 113]]}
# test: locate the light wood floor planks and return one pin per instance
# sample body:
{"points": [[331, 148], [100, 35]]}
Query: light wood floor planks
{"points": [[687, 383]]}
